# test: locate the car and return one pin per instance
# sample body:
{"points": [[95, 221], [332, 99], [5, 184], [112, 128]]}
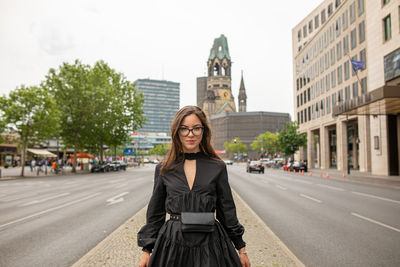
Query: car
{"points": [[101, 166], [228, 162], [298, 166], [118, 165], [255, 166], [155, 161]]}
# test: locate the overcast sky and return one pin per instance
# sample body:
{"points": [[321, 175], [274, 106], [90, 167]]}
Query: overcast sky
{"points": [[157, 39]]}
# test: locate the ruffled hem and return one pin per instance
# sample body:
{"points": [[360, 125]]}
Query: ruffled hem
{"points": [[214, 249]]}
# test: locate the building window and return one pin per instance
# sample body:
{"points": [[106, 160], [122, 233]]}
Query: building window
{"points": [[361, 32], [309, 113], [360, 7], [337, 27], [316, 21], [345, 45], [326, 41], [333, 55], [333, 78], [321, 64], [332, 33], [322, 107], [347, 92], [355, 90], [330, 10], [387, 28], [363, 57], [299, 36], [305, 31], [322, 83], [327, 60], [339, 74], [333, 99], [353, 38], [317, 109], [313, 111], [328, 82], [345, 20], [340, 96], [337, 3], [339, 50], [305, 115], [328, 104], [384, 2], [352, 12], [298, 117], [301, 116], [353, 72], [364, 85], [308, 94], [310, 27], [298, 102], [346, 70], [323, 18], [301, 99]]}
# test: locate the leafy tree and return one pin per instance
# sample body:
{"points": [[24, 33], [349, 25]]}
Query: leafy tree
{"points": [[98, 106], [290, 140], [159, 150], [269, 142], [32, 113], [235, 146]]}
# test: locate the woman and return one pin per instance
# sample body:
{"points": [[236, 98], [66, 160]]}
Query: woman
{"points": [[191, 184]]}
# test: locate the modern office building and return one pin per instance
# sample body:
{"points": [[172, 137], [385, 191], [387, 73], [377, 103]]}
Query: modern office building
{"points": [[161, 102], [246, 125], [351, 117]]}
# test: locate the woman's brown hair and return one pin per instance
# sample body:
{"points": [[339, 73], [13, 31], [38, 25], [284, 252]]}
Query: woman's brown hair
{"points": [[176, 146]]}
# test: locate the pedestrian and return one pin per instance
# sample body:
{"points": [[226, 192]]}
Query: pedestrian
{"points": [[190, 184], [33, 164]]}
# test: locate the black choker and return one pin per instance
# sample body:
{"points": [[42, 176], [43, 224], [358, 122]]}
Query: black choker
{"points": [[192, 156]]}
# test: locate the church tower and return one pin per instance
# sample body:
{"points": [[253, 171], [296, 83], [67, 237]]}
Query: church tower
{"points": [[218, 96], [242, 97]]}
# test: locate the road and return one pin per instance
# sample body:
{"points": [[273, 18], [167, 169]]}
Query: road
{"points": [[325, 222], [54, 221]]}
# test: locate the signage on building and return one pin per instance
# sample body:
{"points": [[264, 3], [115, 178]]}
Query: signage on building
{"points": [[392, 65]]}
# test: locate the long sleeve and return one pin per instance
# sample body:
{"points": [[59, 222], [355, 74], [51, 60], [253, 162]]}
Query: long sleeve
{"points": [[226, 210], [155, 216]]}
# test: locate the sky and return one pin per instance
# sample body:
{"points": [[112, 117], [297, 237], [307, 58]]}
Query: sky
{"points": [[156, 39]]}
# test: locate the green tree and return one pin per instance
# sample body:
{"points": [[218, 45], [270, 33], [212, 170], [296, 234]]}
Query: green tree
{"points": [[160, 150], [268, 141], [32, 113], [290, 140], [235, 146]]}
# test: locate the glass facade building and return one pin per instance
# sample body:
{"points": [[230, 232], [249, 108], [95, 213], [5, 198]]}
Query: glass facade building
{"points": [[161, 102]]}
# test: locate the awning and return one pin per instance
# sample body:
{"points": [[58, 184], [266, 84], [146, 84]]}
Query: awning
{"points": [[382, 101], [42, 152]]}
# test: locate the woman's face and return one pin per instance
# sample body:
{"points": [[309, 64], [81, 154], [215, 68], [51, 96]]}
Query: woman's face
{"points": [[190, 134]]}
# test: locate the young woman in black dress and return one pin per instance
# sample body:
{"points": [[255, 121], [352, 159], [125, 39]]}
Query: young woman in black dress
{"points": [[192, 178]]}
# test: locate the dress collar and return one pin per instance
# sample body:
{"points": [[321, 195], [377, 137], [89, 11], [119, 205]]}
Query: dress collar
{"points": [[192, 156]]}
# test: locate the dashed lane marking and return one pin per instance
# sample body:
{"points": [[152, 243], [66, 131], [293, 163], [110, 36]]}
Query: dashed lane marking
{"points": [[311, 198], [331, 187], [372, 196], [376, 222]]}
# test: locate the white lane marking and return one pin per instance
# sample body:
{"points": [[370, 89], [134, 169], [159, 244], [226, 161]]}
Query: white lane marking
{"points": [[121, 185], [376, 222], [43, 200], [331, 187], [50, 210], [116, 199], [116, 181], [281, 187], [372, 196], [311, 198], [301, 181]]}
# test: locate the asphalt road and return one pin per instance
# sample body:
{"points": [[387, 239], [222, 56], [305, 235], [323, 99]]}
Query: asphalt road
{"points": [[54, 221], [325, 222]]}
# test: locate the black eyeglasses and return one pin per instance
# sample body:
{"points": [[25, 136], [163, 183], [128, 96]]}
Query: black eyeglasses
{"points": [[196, 131]]}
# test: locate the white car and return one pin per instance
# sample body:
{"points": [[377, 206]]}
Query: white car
{"points": [[228, 162]]}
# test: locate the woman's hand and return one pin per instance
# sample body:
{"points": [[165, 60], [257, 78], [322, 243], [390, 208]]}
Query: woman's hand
{"points": [[244, 260], [144, 261]]}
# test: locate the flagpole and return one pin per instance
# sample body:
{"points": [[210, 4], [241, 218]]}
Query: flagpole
{"points": [[358, 79]]}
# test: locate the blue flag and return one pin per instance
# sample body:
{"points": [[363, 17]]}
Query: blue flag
{"points": [[357, 65]]}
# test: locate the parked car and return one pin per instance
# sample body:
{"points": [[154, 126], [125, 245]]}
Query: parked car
{"points": [[298, 166], [228, 162], [101, 166], [118, 165], [255, 166]]}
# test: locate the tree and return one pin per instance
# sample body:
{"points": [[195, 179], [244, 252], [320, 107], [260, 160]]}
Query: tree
{"points": [[98, 106], [32, 113], [235, 146], [160, 150], [290, 140], [269, 142]]}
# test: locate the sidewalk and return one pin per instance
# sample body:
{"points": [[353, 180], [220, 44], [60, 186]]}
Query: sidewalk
{"points": [[120, 247], [15, 172]]}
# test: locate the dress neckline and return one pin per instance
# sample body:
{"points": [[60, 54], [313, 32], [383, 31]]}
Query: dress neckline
{"points": [[192, 156]]}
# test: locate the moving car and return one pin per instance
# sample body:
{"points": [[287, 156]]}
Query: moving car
{"points": [[255, 166], [101, 166]]}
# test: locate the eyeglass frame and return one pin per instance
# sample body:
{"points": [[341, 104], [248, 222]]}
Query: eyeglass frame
{"points": [[191, 130]]}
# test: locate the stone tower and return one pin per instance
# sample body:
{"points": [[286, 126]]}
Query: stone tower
{"points": [[242, 96], [218, 95]]}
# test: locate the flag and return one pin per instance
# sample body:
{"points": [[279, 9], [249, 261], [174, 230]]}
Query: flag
{"points": [[357, 65]]}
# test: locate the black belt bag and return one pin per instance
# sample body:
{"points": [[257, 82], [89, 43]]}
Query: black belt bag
{"points": [[202, 222]]}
